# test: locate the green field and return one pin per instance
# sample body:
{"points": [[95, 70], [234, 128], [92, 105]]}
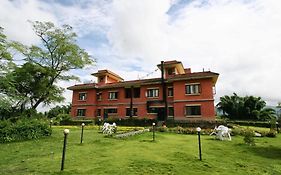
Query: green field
{"points": [[170, 154]]}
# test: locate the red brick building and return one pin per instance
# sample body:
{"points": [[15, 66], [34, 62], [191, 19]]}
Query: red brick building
{"points": [[178, 94]]}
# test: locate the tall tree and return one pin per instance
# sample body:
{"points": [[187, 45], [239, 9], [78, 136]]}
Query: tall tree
{"points": [[54, 112], [245, 108], [57, 55], [4, 45]]}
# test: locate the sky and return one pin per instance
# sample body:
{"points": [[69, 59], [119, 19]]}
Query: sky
{"points": [[239, 39]]}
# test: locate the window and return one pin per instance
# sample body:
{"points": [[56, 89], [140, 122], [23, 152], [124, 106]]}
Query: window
{"points": [[136, 92], [81, 112], [101, 79], [171, 71], [193, 110], [99, 112], [112, 111], [135, 111], [152, 92], [192, 89], [171, 111], [82, 96], [153, 110], [170, 92], [99, 95], [113, 95], [128, 92]]}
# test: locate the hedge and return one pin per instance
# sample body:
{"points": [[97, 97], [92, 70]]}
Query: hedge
{"points": [[23, 129], [131, 121], [77, 122]]}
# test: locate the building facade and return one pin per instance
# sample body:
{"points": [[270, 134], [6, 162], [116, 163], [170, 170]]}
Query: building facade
{"points": [[179, 94]]}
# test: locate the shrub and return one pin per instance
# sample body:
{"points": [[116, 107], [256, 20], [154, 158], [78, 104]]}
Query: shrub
{"points": [[162, 129], [128, 121], [193, 124], [23, 129], [271, 134], [76, 122], [250, 123], [249, 137]]}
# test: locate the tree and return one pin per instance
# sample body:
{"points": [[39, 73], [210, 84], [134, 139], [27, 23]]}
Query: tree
{"points": [[231, 106], [267, 114], [54, 112], [29, 83], [245, 108], [35, 81], [4, 45]]}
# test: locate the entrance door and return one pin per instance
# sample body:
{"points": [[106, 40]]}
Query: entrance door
{"points": [[105, 114], [161, 114]]}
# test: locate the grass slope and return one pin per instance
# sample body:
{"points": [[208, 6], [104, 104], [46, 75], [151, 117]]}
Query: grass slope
{"points": [[170, 154]]}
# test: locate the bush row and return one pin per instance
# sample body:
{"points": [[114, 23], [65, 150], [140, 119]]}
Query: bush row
{"points": [[196, 123], [23, 129], [212, 124], [235, 131], [251, 123], [130, 121], [77, 122]]}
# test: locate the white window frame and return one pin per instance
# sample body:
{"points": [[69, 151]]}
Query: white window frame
{"points": [[84, 97], [193, 91], [155, 92], [113, 95]]}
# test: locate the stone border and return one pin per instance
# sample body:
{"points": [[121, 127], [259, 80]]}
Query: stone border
{"points": [[131, 133]]}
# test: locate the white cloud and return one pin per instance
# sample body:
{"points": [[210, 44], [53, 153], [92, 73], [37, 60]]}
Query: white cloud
{"points": [[240, 39], [14, 16]]}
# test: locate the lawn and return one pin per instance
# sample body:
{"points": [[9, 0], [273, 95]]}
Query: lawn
{"points": [[169, 154]]}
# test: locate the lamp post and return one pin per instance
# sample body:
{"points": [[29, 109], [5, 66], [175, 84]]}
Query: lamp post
{"points": [[198, 129], [153, 128], [65, 132], [82, 132], [51, 122], [99, 123]]}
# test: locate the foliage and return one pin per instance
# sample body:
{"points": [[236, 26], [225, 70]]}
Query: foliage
{"points": [[5, 55], [245, 108], [240, 130], [249, 123], [35, 81], [129, 121], [249, 137], [76, 122], [54, 112], [181, 130], [23, 129], [195, 123]]}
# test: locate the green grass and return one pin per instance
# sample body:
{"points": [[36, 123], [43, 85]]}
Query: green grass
{"points": [[170, 154]]}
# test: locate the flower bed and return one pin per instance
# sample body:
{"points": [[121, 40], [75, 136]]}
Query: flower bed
{"points": [[132, 133]]}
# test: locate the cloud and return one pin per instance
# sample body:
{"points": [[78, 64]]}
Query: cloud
{"points": [[240, 39], [14, 16]]}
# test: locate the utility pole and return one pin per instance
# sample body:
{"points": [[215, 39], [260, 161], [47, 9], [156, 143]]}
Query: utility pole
{"points": [[131, 102], [164, 89]]}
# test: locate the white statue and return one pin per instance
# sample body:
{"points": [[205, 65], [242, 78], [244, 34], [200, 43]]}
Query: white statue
{"points": [[222, 132], [109, 129]]}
